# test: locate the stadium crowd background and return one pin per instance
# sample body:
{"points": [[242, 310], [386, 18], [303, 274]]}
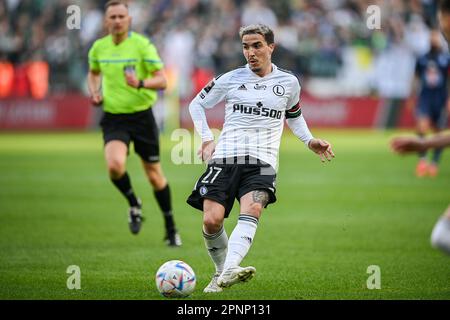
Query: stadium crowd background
{"points": [[327, 42]]}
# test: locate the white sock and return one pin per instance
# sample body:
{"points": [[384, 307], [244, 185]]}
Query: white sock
{"points": [[440, 237], [240, 240], [217, 247]]}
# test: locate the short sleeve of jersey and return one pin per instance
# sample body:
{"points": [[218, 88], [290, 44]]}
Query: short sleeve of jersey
{"points": [[214, 92], [293, 109], [150, 57], [93, 60]]}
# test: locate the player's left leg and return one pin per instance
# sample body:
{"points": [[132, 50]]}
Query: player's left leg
{"points": [[433, 168], [423, 126], [241, 238], [439, 123], [162, 194], [440, 237]]}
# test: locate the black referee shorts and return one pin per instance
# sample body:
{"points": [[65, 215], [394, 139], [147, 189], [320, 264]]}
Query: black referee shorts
{"points": [[139, 127], [226, 180]]}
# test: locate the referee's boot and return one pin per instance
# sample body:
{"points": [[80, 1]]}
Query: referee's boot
{"points": [[135, 218], [173, 238]]}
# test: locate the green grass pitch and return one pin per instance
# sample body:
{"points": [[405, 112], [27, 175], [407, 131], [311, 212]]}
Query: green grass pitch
{"points": [[331, 222]]}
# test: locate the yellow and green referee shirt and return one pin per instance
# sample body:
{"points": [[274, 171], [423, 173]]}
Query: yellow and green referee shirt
{"points": [[111, 59]]}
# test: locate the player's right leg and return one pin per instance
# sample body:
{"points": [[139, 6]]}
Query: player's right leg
{"points": [[440, 237], [216, 239], [433, 168], [116, 155]]}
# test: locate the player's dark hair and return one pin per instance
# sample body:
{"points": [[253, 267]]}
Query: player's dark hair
{"points": [[111, 3], [261, 29], [444, 6]]}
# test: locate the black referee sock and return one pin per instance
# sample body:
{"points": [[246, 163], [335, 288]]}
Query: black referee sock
{"points": [[165, 203], [124, 186]]}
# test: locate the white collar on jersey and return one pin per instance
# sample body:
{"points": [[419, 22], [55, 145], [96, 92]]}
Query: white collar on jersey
{"points": [[274, 68]]}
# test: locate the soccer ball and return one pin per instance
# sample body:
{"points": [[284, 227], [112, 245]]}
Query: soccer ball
{"points": [[175, 279]]}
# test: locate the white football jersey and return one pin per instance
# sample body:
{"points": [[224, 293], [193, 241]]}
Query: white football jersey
{"points": [[255, 110]]}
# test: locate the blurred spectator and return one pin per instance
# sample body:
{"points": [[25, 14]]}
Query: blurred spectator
{"points": [[417, 35], [177, 51], [394, 70], [325, 41], [7, 78], [256, 11], [431, 109], [37, 74], [91, 24]]}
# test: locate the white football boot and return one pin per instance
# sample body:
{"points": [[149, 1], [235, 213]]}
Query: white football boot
{"points": [[235, 275], [213, 286]]}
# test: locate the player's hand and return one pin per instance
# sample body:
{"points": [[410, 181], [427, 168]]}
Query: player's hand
{"points": [[132, 80], [322, 148], [97, 99], [206, 150], [404, 145]]}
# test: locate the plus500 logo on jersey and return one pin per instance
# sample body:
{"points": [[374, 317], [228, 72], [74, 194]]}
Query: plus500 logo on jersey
{"points": [[257, 111]]}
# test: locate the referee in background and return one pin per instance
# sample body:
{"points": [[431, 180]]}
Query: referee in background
{"points": [[125, 72]]}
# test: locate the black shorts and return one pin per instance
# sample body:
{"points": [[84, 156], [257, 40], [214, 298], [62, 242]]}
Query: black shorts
{"points": [[139, 127], [224, 181]]}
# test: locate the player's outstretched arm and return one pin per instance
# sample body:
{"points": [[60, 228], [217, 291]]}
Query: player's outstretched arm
{"points": [[300, 129], [322, 148], [403, 145]]}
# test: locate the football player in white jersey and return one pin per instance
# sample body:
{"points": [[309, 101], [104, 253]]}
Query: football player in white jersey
{"points": [[258, 98]]}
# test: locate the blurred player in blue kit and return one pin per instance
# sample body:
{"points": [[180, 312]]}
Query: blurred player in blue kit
{"points": [[440, 236], [432, 73]]}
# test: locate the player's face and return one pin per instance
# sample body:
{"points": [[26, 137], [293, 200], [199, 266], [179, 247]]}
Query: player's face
{"points": [[117, 19], [444, 22], [257, 53]]}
